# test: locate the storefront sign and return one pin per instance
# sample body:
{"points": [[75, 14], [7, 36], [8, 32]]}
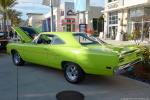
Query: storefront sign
{"points": [[68, 21], [70, 13]]}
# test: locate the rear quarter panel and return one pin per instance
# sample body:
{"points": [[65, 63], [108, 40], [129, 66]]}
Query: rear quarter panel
{"points": [[96, 63], [90, 62]]}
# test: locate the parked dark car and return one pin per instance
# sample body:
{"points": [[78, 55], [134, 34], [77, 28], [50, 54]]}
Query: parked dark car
{"points": [[3, 40]]}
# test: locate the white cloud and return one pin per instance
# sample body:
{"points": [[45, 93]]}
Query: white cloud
{"points": [[30, 1], [30, 6]]}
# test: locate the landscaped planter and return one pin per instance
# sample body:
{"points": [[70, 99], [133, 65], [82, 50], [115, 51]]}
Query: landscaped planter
{"points": [[139, 72]]}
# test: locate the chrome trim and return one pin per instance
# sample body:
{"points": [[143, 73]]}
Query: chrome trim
{"points": [[130, 64]]}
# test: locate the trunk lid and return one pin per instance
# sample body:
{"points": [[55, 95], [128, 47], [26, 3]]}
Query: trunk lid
{"points": [[113, 48], [126, 54], [122, 49]]}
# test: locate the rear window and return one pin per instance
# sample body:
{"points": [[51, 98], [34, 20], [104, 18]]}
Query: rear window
{"points": [[83, 39]]}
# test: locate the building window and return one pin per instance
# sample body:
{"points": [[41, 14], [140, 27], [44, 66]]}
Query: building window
{"points": [[112, 32], [139, 19], [113, 25], [111, 0], [113, 18]]}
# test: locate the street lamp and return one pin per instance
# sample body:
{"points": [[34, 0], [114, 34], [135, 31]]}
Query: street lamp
{"points": [[52, 19]]}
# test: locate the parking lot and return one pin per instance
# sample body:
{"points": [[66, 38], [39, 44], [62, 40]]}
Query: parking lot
{"points": [[37, 82]]}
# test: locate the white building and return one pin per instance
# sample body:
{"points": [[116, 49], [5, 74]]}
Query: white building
{"points": [[64, 18], [68, 18], [8, 24], [35, 20], [127, 16]]}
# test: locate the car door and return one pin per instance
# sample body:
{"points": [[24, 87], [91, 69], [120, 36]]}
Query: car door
{"points": [[36, 53], [30, 51], [55, 52]]}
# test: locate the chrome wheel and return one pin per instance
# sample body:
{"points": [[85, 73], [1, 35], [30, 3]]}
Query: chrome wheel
{"points": [[72, 72], [16, 58]]}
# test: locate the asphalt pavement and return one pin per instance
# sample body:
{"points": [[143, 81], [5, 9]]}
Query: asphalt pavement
{"points": [[37, 82]]}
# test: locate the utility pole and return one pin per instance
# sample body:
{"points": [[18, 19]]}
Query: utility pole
{"points": [[52, 19]]}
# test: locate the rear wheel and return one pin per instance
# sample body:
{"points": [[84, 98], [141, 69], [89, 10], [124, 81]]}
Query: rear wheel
{"points": [[73, 73], [17, 60]]}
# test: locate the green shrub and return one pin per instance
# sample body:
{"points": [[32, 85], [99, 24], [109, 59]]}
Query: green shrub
{"points": [[135, 35], [145, 51]]}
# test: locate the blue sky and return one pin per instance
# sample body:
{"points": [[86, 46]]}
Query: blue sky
{"points": [[35, 6]]}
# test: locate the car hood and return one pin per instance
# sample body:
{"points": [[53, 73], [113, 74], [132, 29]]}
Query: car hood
{"points": [[113, 48], [24, 35]]}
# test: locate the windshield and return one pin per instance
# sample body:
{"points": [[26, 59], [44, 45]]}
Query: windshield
{"points": [[84, 39]]}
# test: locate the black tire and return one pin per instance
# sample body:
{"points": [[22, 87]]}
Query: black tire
{"points": [[73, 73], [17, 60]]}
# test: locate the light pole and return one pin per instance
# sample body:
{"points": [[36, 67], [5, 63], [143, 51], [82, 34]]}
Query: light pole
{"points": [[52, 18]]}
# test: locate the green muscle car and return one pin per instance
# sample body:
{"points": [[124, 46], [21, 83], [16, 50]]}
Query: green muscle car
{"points": [[75, 53]]}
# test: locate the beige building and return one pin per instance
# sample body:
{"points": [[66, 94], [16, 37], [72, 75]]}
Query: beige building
{"points": [[35, 20], [92, 13], [88, 15], [126, 16]]}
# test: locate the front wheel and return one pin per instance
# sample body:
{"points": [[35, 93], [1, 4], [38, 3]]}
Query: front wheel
{"points": [[73, 73], [17, 60]]}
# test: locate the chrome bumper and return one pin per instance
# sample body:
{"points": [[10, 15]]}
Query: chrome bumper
{"points": [[121, 68], [129, 64]]}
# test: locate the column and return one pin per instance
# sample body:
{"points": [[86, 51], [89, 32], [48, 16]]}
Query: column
{"points": [[106, 25]]}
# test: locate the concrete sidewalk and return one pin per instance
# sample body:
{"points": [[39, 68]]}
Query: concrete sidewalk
{"points": [[124, 42], [37, 82]]}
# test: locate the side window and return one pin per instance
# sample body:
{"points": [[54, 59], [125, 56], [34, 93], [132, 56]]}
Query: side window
{"points": [[57, 40], [45, 39]]}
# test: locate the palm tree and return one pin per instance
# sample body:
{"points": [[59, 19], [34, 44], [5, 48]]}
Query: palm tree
{"points": [[4, 6], [14, 17]]}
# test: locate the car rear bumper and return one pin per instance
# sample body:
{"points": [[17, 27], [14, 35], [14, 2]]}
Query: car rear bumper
{"points": [[122, 67]]}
